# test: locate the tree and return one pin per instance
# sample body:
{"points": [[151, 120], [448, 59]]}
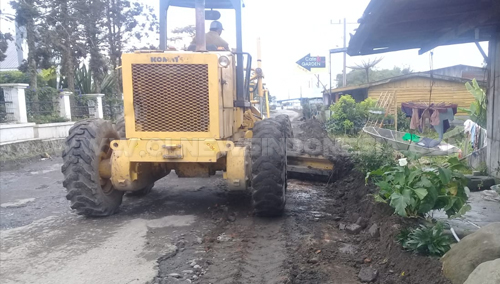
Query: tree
{"points": [[126, 20], [67, 32], [181, 33], [5, 37], [26, 13], [367, 66], [93, 23], [4, 44]]}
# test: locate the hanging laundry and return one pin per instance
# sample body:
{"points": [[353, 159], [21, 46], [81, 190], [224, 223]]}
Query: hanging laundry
{"points": [[435, 118], [415, 119], [444, 122], [475, 134]]}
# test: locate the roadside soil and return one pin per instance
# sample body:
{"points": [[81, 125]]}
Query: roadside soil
{"points": [[193, 231]]}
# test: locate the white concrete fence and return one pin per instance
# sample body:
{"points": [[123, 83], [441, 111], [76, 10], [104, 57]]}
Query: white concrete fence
{"points": [[18, 128]]}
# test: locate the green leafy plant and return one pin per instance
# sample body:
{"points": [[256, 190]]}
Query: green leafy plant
{"points": [[85, 84], [477, 110], [415, 191], [369, 159], [348, 117], [425, 240]]}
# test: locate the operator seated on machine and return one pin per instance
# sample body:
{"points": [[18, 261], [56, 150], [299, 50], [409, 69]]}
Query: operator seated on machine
{"points": [[213, 38]]}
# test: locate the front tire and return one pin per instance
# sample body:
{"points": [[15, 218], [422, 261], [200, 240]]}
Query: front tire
{"points": [[268, 154], [86, 146]]}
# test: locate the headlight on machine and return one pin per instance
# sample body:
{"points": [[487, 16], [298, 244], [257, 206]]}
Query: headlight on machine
{"points": [[224, 61]]}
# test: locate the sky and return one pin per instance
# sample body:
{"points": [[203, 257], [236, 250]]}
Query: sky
{"points": [[289, 31]]}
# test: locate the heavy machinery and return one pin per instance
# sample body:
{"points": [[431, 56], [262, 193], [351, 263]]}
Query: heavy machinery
{"points": [[187, 111], [193, 112]]}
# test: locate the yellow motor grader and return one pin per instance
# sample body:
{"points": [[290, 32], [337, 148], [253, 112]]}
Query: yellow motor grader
{"points": [[187, 111]]}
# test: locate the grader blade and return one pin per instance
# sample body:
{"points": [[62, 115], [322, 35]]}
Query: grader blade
{"points": [[307, 167]]}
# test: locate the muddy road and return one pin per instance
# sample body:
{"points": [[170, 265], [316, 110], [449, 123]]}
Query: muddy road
{"points": [[186, 230], [190, 231]]}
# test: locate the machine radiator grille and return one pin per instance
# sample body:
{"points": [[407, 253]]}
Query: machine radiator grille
{"points": [[171, 97]]}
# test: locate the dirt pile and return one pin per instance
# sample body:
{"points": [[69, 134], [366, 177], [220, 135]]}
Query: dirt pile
{"points": [[349, 238], [312, 128], [311, 138], [393, 264]]}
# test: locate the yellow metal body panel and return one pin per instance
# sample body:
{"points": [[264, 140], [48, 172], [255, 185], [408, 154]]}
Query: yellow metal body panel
{"points": [[238, 168], [172, 150], [170, 90], [228, 95]]}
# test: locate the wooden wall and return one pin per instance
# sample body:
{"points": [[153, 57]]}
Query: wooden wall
{"points": [[417, 90]]}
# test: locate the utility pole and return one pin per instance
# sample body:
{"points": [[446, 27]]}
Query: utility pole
{"points": [[344, 71], [344, 75]]}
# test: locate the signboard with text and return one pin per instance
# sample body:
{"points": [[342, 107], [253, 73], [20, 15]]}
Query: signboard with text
{"points": [[309, 62]]}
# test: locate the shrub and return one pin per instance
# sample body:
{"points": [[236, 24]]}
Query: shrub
{"points": [[7, 77], [45, 110], [371, 159], [425, 240], [416, 191], [477, 110], [348, 117]]}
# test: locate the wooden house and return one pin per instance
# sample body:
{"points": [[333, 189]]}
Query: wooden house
{"points": [[413, 87]]}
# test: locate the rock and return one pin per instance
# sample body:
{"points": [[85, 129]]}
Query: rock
{"points": [[168, 252], [199, 240], [337, 218], [18, 203], [374, 231], [368, 274], [197, 267], [342, 226], [223, 238], [313, 260], [175, 275], [231, 218], [362, 222], [471, 251], [194, 277], [486, 273], [353, 229], [187, 271], [181, 244]]}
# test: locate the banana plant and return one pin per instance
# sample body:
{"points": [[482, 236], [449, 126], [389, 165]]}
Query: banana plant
{"points": [[477, 110]]}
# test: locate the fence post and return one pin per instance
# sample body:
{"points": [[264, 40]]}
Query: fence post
{"points": [[64, 105], [99, 110], [14, 95]]}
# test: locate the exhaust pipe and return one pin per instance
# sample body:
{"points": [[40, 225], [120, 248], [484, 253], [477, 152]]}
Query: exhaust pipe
{"points": [[201, 43]]}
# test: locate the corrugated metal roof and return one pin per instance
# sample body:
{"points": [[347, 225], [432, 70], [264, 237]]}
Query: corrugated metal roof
{"points": [[391, 25], [399, 78], [10, 62]]}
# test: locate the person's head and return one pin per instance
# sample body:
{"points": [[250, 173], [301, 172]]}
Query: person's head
{"points": [[216, 26]]}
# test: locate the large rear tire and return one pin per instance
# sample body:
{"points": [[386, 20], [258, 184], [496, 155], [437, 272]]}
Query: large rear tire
{"points": [[268, 155], [120, 127], [86, 146]]}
